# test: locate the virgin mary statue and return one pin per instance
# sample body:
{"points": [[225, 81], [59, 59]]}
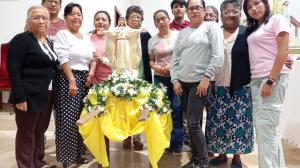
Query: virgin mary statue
{"points": [[123, 49]]}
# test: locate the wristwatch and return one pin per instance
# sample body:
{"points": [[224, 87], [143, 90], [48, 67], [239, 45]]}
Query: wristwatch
{"points": [[270, 82]]}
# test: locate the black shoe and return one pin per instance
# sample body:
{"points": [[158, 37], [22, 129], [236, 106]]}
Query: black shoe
{"points": [[82, 160], [218, 160], [188, 165], [236, 163]]}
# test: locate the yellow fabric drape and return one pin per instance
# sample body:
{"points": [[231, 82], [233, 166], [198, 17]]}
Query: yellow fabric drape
{"points": [[122, 121]]}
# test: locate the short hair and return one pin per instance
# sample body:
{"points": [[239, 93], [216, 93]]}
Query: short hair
{"points": [[160, 10], [235, 3], [215, 10], [181, 2], [68, 9], [29, 12], [104, 12], [134, 9], [43, 1], [252, 23], [187, 4]]}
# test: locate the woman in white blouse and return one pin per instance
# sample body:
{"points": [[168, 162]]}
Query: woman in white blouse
{"points": [[75, 53]]}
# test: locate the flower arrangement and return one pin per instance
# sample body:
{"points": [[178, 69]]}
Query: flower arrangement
{"points": [[126, 87]]}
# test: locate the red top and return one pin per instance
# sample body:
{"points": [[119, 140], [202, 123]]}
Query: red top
{"points": [[176, 26]]}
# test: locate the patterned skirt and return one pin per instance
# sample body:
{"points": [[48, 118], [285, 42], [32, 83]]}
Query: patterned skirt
{"points": [[229, 127], [69, 144]]}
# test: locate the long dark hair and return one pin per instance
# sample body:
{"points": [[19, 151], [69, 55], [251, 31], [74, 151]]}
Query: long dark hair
{"points": [[252, 23]]}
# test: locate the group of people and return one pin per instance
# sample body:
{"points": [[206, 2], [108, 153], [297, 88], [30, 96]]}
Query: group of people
{"points": [[235, 72]]}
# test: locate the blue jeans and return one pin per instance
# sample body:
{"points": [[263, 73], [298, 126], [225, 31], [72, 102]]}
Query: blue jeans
{"points": [[177, 115]]}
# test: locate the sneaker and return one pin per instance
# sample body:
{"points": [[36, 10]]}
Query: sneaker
{"points": [[177, 152]]}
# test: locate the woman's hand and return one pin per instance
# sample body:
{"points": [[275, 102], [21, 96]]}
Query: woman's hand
{"points": [[89, 79], [203, 86], [158, 69], [266, 90], [289, 62], [177, 88], [97, 57], [22, 106], [166, 70], [73, 89]]}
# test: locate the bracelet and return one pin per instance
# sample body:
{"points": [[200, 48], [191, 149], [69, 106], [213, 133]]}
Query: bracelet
{"points": [[271, 79]]}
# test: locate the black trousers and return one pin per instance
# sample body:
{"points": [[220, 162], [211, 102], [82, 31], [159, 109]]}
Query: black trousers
{"points": [[194, 105], [31, 127]]}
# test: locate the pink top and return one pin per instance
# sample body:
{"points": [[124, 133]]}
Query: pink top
{"points": [[102, 71], [54, 27], [263, 47]]}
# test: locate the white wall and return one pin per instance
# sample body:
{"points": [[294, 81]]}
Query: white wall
{"points": [[150, 6], [13, 14]]}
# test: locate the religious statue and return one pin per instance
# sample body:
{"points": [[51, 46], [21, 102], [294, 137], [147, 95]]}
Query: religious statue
{"points": [[123, 49]]}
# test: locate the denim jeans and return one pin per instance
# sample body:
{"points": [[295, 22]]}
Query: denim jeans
{"points": [[194, 104], [177, 115], [266, 115]]}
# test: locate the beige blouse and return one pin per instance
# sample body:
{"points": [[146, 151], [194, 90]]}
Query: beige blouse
{"points": [[223, 77]]}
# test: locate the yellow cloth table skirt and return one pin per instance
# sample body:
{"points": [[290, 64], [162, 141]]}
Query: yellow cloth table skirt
{"points": [[122, 121]]}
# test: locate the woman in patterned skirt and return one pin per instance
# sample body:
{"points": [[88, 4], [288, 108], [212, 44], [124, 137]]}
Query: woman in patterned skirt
{"points": [[75, 53], [230, 122]]}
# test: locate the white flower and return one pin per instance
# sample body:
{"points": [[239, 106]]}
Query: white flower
{"points": [[165, 110], [131, 92], [157, 102], [85, 100], [100, 108], [104, 98]]}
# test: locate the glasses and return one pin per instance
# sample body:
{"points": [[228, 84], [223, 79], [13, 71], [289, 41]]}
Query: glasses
{"points": [[39, 18], [50, 2], [195, 8], [138, 17], [229, 13]]}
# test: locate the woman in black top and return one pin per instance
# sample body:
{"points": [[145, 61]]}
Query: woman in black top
{"points": [[31, 66]]}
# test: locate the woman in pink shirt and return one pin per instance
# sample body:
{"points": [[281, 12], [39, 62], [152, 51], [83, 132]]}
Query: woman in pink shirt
{"points": [[268, 50], [102, 22]]}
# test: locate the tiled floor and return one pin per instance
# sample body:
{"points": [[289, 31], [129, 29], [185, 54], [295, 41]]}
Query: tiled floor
{"points": [[119, 158]]}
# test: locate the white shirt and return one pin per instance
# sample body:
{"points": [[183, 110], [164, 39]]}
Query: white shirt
{"points": [[77, 52]]}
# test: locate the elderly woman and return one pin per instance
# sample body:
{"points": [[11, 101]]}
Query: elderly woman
{"points": [[160, 48], [211, 14], [31, 66], [229, 127], [75, 53], [134, 17], [268, 51]]}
